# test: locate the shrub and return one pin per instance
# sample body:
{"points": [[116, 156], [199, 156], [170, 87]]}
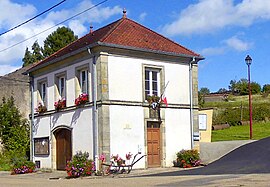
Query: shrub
{"points": [[233, 115], [80, 165], [187, 159], [21, 165]]}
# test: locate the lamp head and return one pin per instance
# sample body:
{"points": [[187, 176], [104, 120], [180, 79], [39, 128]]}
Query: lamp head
{"points": [[248, 60]]}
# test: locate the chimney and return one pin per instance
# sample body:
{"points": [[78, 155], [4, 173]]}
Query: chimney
{"points": [[91, 29], [124, 13]]}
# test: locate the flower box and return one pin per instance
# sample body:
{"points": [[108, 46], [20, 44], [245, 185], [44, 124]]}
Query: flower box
{"points": [[41, 108], [82, 99], [60, 104]]}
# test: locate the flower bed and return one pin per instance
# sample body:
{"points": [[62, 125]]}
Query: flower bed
{"points": [[80, 165], [187, 159], [23, 167]]}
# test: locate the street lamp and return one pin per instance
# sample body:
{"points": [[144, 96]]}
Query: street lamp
{"points": [[248, 61]]}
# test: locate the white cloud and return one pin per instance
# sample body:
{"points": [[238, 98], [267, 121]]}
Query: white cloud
{"points": [[12, 14], [233, 43], [22, 12], [237, 44], [5, 69], [210, 15], [142, 16], [212, 51]]}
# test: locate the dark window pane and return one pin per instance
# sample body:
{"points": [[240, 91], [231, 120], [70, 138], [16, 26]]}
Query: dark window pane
{"points": [[154, 75], [147, 74]]}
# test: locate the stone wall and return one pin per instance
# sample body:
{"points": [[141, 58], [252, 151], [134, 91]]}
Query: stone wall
{"points": [[17, 85]]}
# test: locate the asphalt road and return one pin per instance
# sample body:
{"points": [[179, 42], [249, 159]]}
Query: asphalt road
{"points": [[252, 158]]}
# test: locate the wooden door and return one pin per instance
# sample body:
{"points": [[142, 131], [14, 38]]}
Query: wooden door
{"points": [[153, 144], [63, 148]]}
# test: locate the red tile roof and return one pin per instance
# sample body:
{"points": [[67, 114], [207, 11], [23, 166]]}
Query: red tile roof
{"points": [[124, 33]]}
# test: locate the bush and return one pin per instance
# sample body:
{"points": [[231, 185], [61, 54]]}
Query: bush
{"points": [[80, 165], [23, 167], [20, 164], [232, 115], [187, 159]]}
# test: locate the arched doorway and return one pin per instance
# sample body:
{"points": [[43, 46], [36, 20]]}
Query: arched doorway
{"points": [[63, 148]]}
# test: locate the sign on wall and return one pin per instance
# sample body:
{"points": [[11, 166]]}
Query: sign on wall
{"points": [[41, 146], [202, 121]]}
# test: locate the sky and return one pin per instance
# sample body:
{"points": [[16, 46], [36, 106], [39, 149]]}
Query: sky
{"points": [[224, 32]]}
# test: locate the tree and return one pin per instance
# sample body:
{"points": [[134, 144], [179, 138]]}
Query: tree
{"points": [[266, 88], [37, 55], [241, 87], [204, 91], [54, 42], [255, 87], [222, 91], [28, 58], [57, 40], [201, 100], [14, 130]]}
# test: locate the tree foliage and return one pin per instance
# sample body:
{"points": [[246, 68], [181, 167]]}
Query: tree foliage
{"points": [[241, 87], [57, 40], [54, 42], [222, 91], [204, 91], [14, 130], [266, 88]]}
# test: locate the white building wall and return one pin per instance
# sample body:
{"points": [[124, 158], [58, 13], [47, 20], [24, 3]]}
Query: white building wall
{"points": [[126, 83], [82, 132], [178, 134], [127, 131], [79, 120], [70, 84], [126, 79]]}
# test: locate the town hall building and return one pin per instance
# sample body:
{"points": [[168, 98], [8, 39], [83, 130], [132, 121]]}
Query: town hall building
{"points": [[119, 89]]}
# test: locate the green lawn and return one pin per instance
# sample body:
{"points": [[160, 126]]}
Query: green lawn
{"points": [[260, 130]]}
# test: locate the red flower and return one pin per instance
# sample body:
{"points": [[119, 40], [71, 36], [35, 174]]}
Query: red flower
{"points": [[82, 99]]}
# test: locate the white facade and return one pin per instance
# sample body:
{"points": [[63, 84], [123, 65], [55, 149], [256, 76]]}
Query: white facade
{"points": [[128, 112]]}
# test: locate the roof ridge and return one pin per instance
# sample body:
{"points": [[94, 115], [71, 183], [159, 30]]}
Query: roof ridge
{"points": [[162, 36]]}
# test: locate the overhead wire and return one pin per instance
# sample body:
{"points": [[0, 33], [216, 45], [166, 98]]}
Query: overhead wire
{"points": [[96, 5], [33, 18]]}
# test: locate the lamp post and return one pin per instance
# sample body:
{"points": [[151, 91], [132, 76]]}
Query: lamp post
{"points": [[248, 61]]}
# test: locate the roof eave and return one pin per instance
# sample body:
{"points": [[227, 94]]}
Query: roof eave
{"points": [[198, 57], [42, 65]]}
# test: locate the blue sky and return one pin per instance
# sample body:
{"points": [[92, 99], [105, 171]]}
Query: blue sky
{"points": [[223, 31]]}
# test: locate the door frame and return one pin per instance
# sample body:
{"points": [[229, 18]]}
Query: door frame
{"points": [[54, 151], [161, 142]]}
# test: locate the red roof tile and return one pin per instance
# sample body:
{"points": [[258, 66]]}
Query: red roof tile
{"points": [[125, 33]]}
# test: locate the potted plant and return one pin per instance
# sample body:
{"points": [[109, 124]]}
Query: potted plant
{"points": [[60, 104], [82, 99], [41, 108]]}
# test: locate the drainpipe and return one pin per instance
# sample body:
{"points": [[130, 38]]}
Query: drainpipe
{"points": [[32, 119], [94, 97], [191, 100]]}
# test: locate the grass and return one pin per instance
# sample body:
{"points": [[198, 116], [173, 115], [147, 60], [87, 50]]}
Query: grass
{"points": [[259, 131], [237, 101]]}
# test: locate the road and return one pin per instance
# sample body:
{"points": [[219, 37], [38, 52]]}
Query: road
{"points": [[246, 166]]}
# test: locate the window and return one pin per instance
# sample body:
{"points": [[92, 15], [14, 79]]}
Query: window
{"points": [[41, 146], [152, 82], [84, 81], [61, 85], [43, 92]]}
